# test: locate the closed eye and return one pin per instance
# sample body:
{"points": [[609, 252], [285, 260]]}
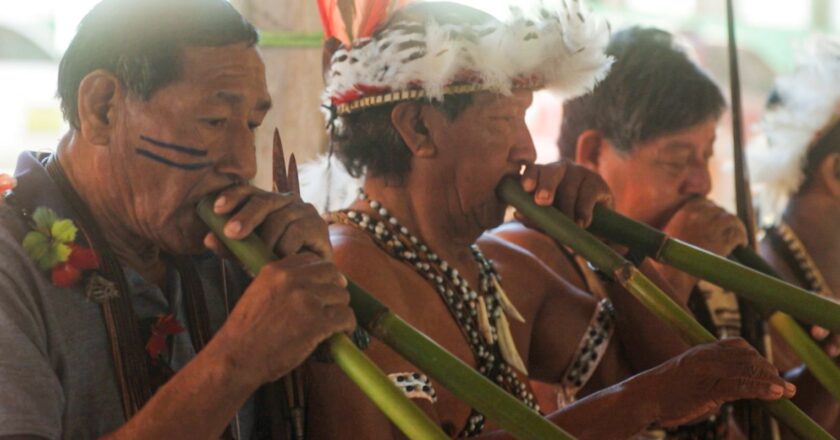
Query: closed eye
{"points": [[215, 122]]}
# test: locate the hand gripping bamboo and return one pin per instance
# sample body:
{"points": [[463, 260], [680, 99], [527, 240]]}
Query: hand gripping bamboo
{"points": [[746, 279], [459, 378], [558, 226]]}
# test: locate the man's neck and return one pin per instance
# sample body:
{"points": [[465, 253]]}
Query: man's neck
{"points": [[813, 217], [95, 183], [428, 214]]}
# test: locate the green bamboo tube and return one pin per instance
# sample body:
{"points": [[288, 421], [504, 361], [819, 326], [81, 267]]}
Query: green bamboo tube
{"points": [[456, 376], [410, 419], [728, 274], [821, 366], [565, 231], [762, 289]]}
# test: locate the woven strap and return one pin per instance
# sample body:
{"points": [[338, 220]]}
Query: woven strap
{"points": [[121, 324]]}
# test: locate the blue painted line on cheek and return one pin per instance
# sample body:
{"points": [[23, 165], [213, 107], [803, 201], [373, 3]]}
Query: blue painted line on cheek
{"points": [[175, 147], [162, 160]]}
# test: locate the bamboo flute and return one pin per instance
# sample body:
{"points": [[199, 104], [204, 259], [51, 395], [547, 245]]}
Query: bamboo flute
{"points": [[410, 419], [762, 289], [824, 369], [655, 244], [565, 231], [459, 378]]}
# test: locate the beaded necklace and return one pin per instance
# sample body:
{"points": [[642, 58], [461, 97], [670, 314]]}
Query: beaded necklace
{"points": [[808, 268], [481, 316]]}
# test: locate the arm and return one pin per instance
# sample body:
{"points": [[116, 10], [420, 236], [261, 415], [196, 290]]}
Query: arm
{"points": [[291, 307], [646, 340], [333, 399]]}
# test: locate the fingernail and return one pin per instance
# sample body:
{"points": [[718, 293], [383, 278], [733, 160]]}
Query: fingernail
{"points": [[543, 196], [528, 184], [790, 388], [777, 389], [583, 222], [833, 350], [219, 203], [342, 280], [233, 228], [819, 332]]}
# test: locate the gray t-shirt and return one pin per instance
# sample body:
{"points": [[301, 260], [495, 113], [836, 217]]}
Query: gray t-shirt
{"points": [[56, 372]]}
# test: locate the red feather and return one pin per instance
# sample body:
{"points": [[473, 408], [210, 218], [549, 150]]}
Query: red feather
{"points": [[332, 21], [368, 15]]}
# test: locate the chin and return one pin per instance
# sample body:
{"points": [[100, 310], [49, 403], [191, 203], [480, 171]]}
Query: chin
{"points": [[491, 214], [186, 238]]}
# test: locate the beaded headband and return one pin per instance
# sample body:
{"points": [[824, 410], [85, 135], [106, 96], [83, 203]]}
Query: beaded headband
{"points": [[553, 44]]}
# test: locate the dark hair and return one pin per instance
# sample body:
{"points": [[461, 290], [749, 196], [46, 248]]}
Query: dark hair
{"points": [[827, 144], [367, 142], [140, 41], [652, 89]]}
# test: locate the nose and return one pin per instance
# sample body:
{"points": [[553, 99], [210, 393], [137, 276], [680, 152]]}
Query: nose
{"points": [[240, 159], [698, 181], [523, 152]]}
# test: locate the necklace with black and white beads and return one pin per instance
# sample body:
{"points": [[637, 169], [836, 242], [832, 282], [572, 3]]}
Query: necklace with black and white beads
{"points": [[481, 315]]}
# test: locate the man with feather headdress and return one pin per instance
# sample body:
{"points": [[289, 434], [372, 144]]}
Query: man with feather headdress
{"points": [[795, 161], [429, 107]]}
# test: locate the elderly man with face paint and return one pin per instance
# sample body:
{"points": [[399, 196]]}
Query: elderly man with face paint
{"points": [[795, 162], [115, 319], [429, 107]]}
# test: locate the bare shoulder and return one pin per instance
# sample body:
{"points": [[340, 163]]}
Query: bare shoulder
{"points": [[534, 241], [528, 275], [541, 247], [363, 261]]}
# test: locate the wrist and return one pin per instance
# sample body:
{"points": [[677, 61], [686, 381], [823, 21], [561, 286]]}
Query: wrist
{"points": [[646, 410], [228, 365]]}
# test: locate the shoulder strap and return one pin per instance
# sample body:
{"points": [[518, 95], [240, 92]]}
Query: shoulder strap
{"points": [[120, 321]]}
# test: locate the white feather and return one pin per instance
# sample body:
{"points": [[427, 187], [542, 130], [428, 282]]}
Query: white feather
{"points": [[809, 101], [325, 183], [566, 56]]}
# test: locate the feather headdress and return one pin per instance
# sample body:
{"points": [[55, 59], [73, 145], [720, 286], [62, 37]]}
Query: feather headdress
{"points": [[391, 57], [803, 106]]}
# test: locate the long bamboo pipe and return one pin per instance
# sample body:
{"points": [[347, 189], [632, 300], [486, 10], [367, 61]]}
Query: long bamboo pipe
{"points": [[456, 376], [558, 226], [753, 278], [760, 288]]}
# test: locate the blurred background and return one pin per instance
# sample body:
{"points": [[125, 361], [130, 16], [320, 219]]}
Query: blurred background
{"points": [[33, 35]]}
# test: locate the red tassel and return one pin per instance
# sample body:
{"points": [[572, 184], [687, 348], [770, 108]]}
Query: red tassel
{"points": [[166, 325]]}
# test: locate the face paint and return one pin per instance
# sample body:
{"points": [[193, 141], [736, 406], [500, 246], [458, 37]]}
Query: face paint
{"points": [[195, 152], [175, 147]]}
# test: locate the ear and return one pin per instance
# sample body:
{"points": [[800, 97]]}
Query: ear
{"points": [[829, 171], [99, 94], [409, 119], [590, 145]]}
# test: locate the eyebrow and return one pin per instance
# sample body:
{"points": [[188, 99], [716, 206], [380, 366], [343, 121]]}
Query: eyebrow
{"points": [[689, 146], [231, 98]]}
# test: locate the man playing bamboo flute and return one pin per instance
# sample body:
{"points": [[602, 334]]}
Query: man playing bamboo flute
{"points": [[662, 180], [796, 166], [430, 109], [654, 155], [115, 320]]}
